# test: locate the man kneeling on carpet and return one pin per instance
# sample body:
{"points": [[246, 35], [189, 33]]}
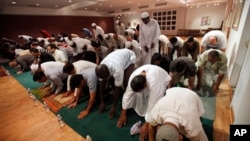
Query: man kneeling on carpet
{"points": [[86, 80], [177, 113]]}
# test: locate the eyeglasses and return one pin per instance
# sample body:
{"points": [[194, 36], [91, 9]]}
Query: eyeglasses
{"points": [[34, 44]]}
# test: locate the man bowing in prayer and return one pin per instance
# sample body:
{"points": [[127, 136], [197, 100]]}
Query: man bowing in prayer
{"points": [[148, 37]]}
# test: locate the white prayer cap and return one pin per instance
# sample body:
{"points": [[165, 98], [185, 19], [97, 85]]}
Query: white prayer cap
{"points": [[34, 68], [117, 22], [144, 15], [73, 35], [128, 44], [93, 24], [106, 36], [167, 132]]}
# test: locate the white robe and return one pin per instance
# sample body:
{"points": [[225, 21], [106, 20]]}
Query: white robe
{"points": [[143, 102], [149, 34], [183, 108]]}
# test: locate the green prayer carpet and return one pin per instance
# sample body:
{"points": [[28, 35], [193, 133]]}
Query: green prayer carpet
{"points": [[99, 126]]}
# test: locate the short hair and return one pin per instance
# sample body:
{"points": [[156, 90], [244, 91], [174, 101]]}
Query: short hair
{"points": [[180, 66], [38, 75], [138, 83], [95, 44], [33, 50], [173, 40], [75, 81], [68, 67], [214, 54], [99, 36], [156, 57], [102, 71], [190, 39], [53, 46]]}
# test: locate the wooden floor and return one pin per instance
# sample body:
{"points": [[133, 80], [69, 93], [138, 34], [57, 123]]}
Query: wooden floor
{"points": [[21, 120], [224, 115]]}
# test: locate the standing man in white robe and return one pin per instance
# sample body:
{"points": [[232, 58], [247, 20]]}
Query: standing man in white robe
{"points": [[148, 37], [147, 84], [97, 30], [120, 28]]}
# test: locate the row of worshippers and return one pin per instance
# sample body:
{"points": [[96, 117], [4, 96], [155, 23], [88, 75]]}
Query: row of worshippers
{"points": [[144, 86]]}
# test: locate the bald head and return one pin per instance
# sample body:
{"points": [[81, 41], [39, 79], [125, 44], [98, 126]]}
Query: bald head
{"points": [[102, 71], [213, 40]]}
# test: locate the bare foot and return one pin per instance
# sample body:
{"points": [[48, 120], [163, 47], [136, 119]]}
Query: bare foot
{"points": [[112, 112]]}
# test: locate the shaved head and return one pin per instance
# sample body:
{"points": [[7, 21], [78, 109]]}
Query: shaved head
{"points": [[213, 40], [102, 71]]}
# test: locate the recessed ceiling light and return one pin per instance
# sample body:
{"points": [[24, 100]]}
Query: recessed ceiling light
{"points": [[13, 2], [37, 4], [70, 1]]}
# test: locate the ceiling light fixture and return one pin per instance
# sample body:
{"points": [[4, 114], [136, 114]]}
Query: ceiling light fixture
{"points": [[206, 4]]}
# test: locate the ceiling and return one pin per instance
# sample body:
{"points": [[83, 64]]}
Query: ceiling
{"points": [[108, 6]]}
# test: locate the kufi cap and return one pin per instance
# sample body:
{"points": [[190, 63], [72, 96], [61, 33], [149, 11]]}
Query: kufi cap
{"points": [[34, 68], [117, 22], [93, 24], [144, 15], [73, 35], [106, 36], [167, 132], [128, 44]]}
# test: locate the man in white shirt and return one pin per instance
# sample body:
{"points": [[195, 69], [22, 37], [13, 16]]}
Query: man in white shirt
{"points": [[77, 67], [176, 43], [52, 71], [163, 44], [117, 65], [78, 82], [146, 86], [59, 55], [214, 39], [177, 113], [120, 28], [134, 46], [97, 30], [148, 37]]}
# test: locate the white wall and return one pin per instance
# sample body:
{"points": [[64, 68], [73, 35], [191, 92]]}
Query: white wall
{"points": [[187, 18], [240, 69], [134, 18], [194, 15]]}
